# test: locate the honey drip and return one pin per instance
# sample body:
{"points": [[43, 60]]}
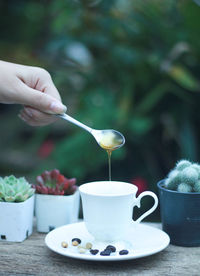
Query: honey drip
{"points": [[109, 142], [109, 152]]}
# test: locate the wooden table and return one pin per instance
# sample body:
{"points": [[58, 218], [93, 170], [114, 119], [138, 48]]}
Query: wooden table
{"points": [[32, 257]]}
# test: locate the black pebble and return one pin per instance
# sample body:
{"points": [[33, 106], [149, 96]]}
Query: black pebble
{"points": [[111, 247], [76, 239], [106, 252], [123, 252], [94, 251]]}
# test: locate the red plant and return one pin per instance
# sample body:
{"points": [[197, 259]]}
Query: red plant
{"points": [[141, 183], [54, 183], [46, 149]]}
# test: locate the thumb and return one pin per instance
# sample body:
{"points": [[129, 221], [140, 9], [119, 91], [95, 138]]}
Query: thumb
{"points": [[41, 101]]}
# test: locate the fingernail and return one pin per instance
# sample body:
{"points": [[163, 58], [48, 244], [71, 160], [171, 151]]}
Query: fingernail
{"points": [[58, 107], [30, 114]]}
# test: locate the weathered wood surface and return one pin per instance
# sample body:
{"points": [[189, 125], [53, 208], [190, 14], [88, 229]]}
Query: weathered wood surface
{"points": [[32, 257]]}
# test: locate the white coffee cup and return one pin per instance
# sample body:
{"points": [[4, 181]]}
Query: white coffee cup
{"points": [[108, 208]]}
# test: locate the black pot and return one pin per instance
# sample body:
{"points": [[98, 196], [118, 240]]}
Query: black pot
{"points": [[180, 216]]}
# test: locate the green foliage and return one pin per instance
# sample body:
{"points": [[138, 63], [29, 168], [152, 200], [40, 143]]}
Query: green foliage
{"points": [[128, 65], [14, 189], [184, 178], [184, 78]]}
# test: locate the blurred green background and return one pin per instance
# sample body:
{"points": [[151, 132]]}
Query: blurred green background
{"points": [[130, 65]]}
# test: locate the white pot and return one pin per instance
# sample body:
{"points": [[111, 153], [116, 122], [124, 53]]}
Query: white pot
{"points": [[54, 210], [16, 220]]}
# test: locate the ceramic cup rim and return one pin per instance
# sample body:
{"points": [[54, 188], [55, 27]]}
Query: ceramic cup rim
{"points": [[132, 189]]}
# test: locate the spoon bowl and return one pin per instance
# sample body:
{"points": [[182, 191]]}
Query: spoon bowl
{"points": [[108, 139]]}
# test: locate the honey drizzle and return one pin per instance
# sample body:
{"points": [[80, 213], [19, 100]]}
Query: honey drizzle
{"points": [[109, 149], [109, 152]]}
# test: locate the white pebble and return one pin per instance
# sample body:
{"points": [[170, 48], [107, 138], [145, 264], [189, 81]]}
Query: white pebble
{"points": [[88, 245], [82, 250]]}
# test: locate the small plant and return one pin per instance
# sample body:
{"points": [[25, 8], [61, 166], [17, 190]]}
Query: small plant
{"points": [[14, 189], [185, 177], [54, 183]]}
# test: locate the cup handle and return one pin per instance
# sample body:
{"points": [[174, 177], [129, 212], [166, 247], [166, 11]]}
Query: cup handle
{"points": [[138, 200]]}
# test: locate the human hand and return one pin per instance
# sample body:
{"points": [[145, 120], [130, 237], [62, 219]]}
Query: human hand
{"points": [[34, 89]]}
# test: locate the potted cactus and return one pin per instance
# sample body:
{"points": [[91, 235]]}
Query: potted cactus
{"points": [[16, 208], [179, 197], [56, 202]]}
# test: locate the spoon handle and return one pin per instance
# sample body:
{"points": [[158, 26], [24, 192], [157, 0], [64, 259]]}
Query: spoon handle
{"points": [[74, 121]]}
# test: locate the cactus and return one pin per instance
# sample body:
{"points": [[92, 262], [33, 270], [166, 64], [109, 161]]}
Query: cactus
{"points": [[184, 188], [181, 165], [184, 178], [14, 189], [189, 175], [54, 183], [173, 180], [197, 186]]}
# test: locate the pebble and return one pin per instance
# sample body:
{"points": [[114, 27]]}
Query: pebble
{"points": [[82, 250], [76, 241], [94, 251], [64, 244], [123, 252], [111, 247], [88, 245], [106, 252]]}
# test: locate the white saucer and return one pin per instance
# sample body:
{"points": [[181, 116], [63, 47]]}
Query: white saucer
{"points": [[143, 241]]}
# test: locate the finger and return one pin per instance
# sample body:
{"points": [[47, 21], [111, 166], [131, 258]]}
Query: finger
{"points": [[44, 82], [22, 117], [26, 119], [39, 100], [51, 90], [39, 116], [30, 121]]}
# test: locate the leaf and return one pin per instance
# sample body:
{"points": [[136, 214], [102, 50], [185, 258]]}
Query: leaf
{"points": [[31, 192], [2, 189], [19, 197], [187, 140], [9, 198], [184, 78], [141, 125], [9, 190], [152, 98], [197, 2]]}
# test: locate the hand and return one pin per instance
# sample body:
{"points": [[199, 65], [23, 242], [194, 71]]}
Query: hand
{"points": [[33, 88]]}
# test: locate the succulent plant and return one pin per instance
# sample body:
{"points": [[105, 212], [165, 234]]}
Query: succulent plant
{"points": [[14, 189], [184, 178], [54, 183]]}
